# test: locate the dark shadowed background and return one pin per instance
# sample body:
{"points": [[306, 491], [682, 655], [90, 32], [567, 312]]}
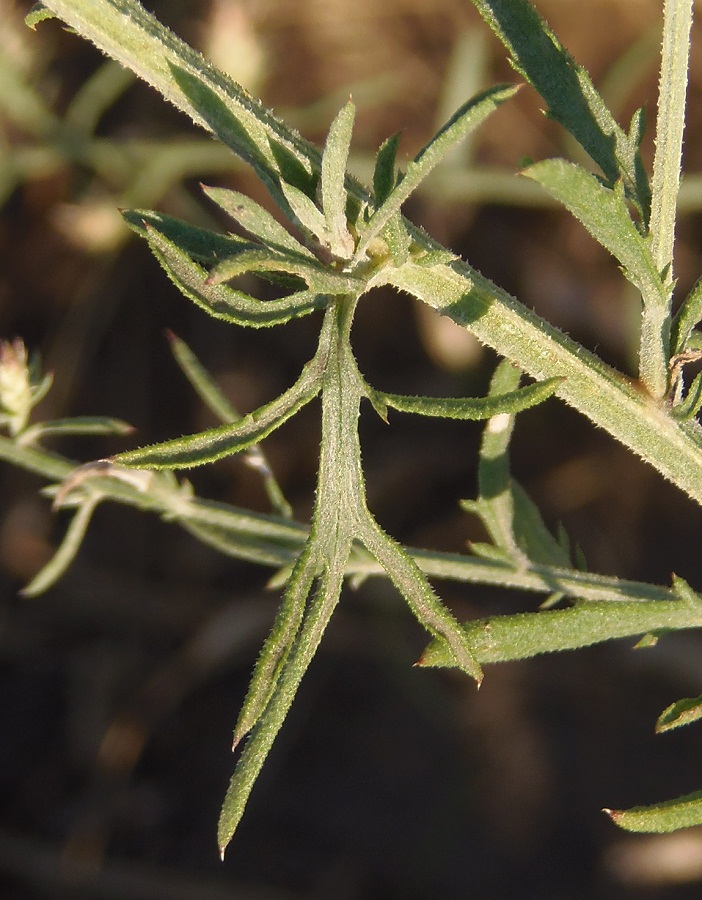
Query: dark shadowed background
{"points": [[120, 686]]}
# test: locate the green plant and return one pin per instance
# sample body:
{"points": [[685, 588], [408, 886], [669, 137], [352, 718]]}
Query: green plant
{"points": [[354, 239]]}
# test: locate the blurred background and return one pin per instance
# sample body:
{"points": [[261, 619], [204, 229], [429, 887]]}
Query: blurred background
{"points": [[120, 686]]}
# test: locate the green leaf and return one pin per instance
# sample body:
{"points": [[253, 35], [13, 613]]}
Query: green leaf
{"points": [[198, 243], [671, 815], [278, 644], [689, 315], [304, 212], [384, 177], [428, 609], [512, 520], [473, 408], [398, 240], [272, 717], [208, 446], [214, 399], [682, 712], [523, 635], [201, 380], [83, 425], [605, 215], [38, 13], [532, 534], [221, 301], [67, 550], [464, 120], [690, 406], [256, 220], [320, 278], [571, 97], [333, 190], [239, 544]]}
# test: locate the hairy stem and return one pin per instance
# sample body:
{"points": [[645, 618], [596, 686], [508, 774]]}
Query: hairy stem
{"points": [[654, 349]]}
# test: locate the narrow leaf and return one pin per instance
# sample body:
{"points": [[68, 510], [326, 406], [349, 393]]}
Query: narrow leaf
{"points": [[67, 550], [670, 125], [465, 120], [690, 406], [277, 645], [428, 609], [520, 636], [201, 380], [571, 97], [256, 220], [473, 408], [532, 534], [212, 396], [304, 212], [197, 449], [78, 425], [333, 190], [267, 727], [239, 544], [604, 214], [495, 504], [660, 818], [398, 240], [199, 243], [321, 279], [221, 301], [682, 712], [384, 177], [689, 315]]}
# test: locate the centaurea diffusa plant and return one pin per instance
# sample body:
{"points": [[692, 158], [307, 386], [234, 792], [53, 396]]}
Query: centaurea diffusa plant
{"points": [[346, 239]]}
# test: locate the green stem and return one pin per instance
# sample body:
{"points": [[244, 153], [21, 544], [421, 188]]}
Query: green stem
{"points": [[654, 351], [125, 31], [275, 541], [669, 129], [605, 396]]}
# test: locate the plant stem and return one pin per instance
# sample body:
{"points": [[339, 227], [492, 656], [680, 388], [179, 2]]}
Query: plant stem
{"points": [[601, 393], [275, 541], [655, 324]]}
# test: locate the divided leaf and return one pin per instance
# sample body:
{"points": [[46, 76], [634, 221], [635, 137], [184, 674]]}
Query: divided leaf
{"points": [[224, 302], [464, 120], [428, 609], [604, 213], [319, 278], [304, 212], [571, 97]]}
